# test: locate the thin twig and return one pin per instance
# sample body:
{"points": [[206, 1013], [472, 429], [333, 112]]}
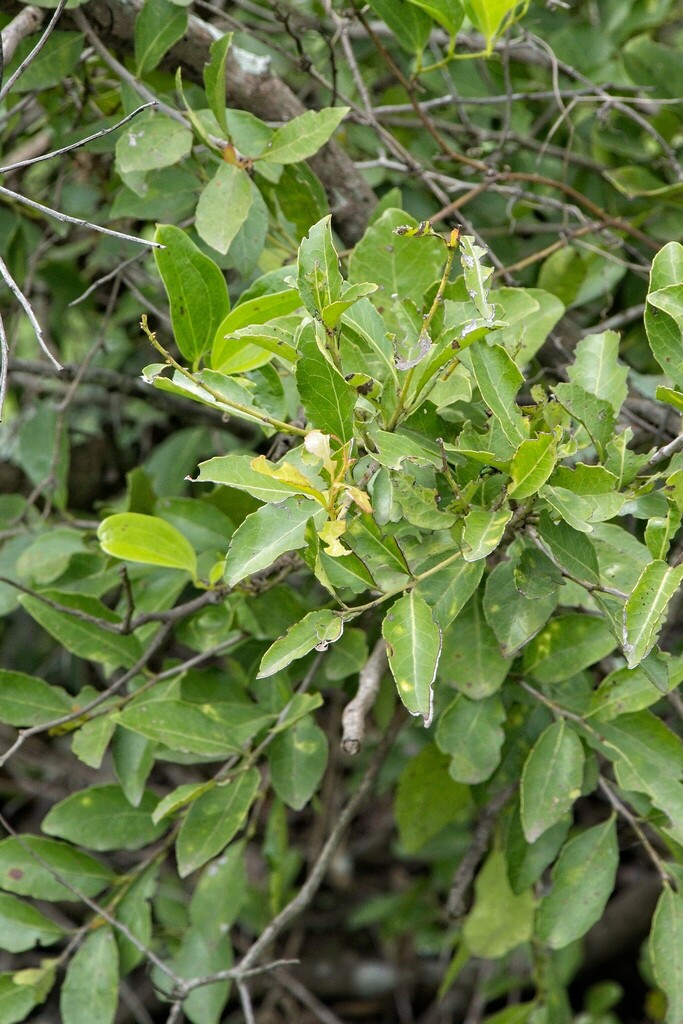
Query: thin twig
{"points": [[77, 145], [4, 364], [66, 219], [35, 51], [479, 842], [625, 813], [28, 309]]}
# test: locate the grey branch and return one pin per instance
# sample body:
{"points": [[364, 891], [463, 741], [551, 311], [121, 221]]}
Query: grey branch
{"points": [[253, 89], [353, 718]]}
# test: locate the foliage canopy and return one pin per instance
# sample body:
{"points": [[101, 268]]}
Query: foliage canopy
{"points": [[408, 454]]}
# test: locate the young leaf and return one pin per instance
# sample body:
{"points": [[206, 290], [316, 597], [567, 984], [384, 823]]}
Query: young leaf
{"points": [[223, 206], [148, 539], [414, 646], [448, 13], [319, 279], [551, 779], [470, 731], [297, 759], [266, 534], [196, 290], [213, 819], [328, 400], [583, 879], [24, 875], [214, 78], [102, 819], [158, 25], [666, 942], [91, 986], [316, 630], [664, 310], [237, 471], [410, 25], [645, 609], [303, 136]]}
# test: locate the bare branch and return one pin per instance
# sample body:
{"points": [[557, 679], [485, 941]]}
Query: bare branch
{"points": [[77, 145], [479, 842], [28, 309], [353, 718], [66, 219], [4, 363], [24, 25]]}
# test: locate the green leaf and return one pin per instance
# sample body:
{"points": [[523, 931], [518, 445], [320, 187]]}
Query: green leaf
{"points": [[238, 348], [25, 700], [593, 413], [158, 25], [56, 61], [213, 730], [49, 555], [91, 986], [492, 17], [448, 13], [316, 630], [319, 279], [570, 507], [22, 874], [402, 267], [646, 608], [483, 532], [86, 640], [133, 756], [499, 380], [147, 539], [214, 78], [102, 819], [597, 369], [527, 861], [16, 1001], [568, 644], [448, 590], [328, 400], [151, 142], [665, 945], [90, 741], [303, 135], [512, 617], [582, 882], [476, 277], [213, 819], [266, 534], [571, 549], [196, 289], [414, 646], [410, 25], [470, 731], [664, 310], [500, 920], [551, 779], [471, 660], [220, 893], [531, 465], [297, 759], [23, 927], [236, 471], [223, 206], [427, 799]]}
